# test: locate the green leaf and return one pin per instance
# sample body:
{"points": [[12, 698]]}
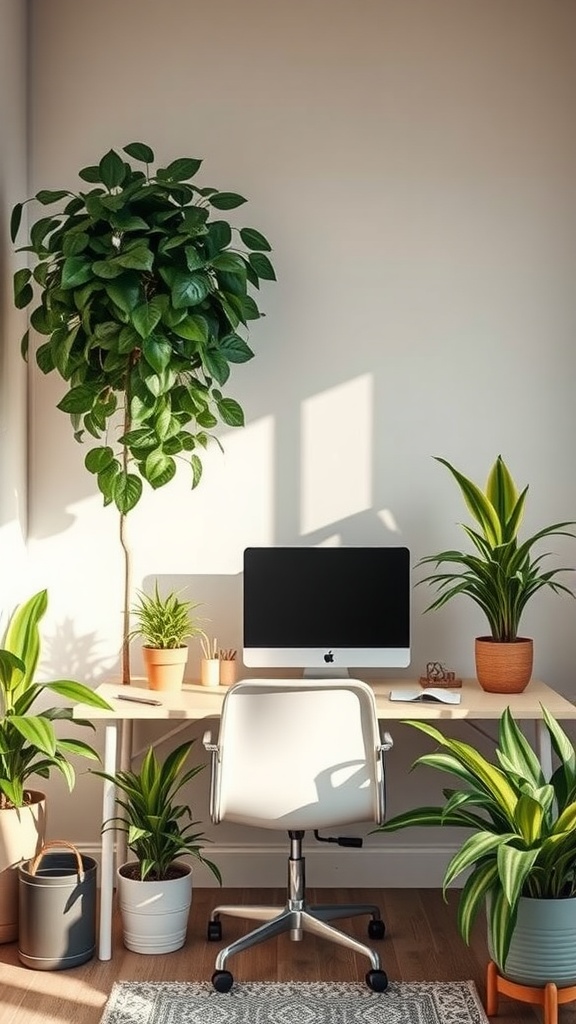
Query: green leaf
{"points": [[22, 289], [189, 290], [139, 151], [112, 169], [37, 731], [90, 174], [196, 466], [180, 170], [46, 196], [157, 353], [473, 850], [78, 692], [76, 270], [138, 258], [15, 221], [78, 400], [473, 896], [254, 240], [146, 317], [230, 412], [159, 469], [127, 491], [262, 266], [98, 458], [235, 349], [226, 200]]}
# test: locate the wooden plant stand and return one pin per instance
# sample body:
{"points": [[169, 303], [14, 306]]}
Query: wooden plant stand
{"points": [[549, 996]]}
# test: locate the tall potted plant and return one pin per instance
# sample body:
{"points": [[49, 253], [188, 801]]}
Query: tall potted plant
{"points": [[144, 299], [500, 575], [30, 746], [155, 889], [521, 855]]}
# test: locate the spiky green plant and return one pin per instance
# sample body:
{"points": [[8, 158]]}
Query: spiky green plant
{"points": [[29, 744], [164, 622], [158, 828], [502, 575], [524, 827]]}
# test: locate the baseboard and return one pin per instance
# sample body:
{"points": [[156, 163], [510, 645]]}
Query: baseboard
{"points": [[265, 866]]}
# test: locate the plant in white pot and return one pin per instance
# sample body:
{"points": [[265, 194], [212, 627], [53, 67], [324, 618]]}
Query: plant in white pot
{"points": [[521, 855], [155, 889], [500, 575], [165, 623], [143, 294], [30, 746]]}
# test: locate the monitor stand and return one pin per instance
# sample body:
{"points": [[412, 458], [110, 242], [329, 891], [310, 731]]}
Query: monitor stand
{"points": [[326, 672]]}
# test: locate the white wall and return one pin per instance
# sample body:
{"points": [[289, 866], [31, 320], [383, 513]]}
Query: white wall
{"points": [[13, 496], [413, 165]]}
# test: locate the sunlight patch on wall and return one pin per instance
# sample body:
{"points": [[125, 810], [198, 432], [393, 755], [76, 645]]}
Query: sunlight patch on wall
{"points": [[387, 517], [336, 453]]}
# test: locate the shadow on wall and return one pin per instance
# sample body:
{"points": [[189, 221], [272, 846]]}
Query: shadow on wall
{"points": [[219, 612]]}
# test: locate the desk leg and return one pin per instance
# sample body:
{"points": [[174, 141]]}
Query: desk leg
{"points": [[125, 758], [107, 865], [544, 748]]}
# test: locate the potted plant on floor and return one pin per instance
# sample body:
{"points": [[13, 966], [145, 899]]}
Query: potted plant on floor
{"points": [[165, 624], [144, 299], [30, 746], [521, 855], [155, 889], [500, 576]]}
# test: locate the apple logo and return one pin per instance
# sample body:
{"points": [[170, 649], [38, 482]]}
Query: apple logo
{"points": [[329, 657]]}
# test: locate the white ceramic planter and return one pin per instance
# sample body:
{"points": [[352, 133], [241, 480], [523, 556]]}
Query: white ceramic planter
{"points": [[543, 946], [22, 831], [155, 914]]}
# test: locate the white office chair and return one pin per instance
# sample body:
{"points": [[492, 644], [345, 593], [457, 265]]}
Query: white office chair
{"points": [[296, 755]]}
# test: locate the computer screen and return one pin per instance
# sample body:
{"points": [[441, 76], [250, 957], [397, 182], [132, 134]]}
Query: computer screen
{"points": [[326, 609]]}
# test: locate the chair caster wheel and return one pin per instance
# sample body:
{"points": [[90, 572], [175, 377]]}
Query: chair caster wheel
{"points": [[376, 929], [223, 980], [214, 933], [376, 980]]}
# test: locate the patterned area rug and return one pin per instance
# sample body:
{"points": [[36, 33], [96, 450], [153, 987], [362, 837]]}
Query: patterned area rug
{"points": [[294, 1003]]}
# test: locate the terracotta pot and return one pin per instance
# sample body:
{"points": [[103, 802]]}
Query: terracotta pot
{"points": [[504, 667], [22, 831], [165, 667]]}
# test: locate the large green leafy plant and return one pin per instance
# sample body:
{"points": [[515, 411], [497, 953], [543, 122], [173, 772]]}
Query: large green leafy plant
{"points": [[502, 573], [523, 840], [158, 828], [143, 294], [29, 744]]}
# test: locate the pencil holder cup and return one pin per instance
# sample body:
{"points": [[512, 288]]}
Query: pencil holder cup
{"points": [[210, 671], [227, 671]]}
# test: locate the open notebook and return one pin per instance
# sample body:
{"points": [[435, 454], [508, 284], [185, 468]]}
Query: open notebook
{"points": [[435, 695]]}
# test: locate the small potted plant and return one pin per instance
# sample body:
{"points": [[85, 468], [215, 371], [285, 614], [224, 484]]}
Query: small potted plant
{"points": [[501, 575], [29, 746], [521, 855], [164, 624], [155, 889]]}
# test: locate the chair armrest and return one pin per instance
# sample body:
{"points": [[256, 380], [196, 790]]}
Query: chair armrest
{"points": [[386, 742], [207, 741]]}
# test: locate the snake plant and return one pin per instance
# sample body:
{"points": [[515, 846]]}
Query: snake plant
{"points": [[523, 840], [502, 574]]}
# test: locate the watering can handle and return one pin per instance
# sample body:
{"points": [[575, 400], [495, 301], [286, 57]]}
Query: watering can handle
{"points": [[58, 842]]}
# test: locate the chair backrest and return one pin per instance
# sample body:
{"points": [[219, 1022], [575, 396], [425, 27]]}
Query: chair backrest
{"points": [[295, 754]]}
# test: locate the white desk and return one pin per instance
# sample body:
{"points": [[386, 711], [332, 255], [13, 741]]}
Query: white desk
{"points": [[194, 703]]}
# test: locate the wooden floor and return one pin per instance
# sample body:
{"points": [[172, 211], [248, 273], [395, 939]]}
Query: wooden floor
{"points": [[421, 944]]}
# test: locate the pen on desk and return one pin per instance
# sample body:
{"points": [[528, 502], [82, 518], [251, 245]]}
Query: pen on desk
{"points": [[138, 700]]}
